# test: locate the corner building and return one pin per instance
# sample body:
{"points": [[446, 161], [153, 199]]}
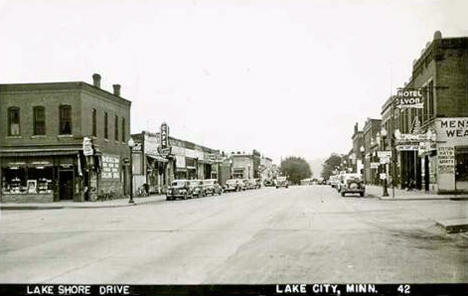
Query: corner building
{"points": [[43, 127]]}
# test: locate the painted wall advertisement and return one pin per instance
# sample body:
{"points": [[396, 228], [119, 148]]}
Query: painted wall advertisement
{"points": [[446, 160], [110, 166]]}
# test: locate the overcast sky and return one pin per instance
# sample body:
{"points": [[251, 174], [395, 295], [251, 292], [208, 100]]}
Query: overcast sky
{"points": [[283, 77]]}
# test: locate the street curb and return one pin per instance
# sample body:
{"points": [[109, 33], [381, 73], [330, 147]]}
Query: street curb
{"points": [[58, 207], [453, 227]]}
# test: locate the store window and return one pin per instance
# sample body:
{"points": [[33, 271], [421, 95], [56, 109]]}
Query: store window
{"points": [[123, 130], [116, 128], [24, 180], [13, 121], [94, 120], [39, 120], [65, 117], [106, 135]]}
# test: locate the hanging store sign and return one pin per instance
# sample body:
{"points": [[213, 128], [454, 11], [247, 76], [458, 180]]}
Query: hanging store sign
{"points": [[407, 147], [381, 154], [374, 165], [446, 160], [409, 98], [87, 147], [164, 148], [384, 160]]}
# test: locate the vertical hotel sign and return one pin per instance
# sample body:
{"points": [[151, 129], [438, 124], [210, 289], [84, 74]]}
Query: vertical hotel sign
{"points": [[164, 148]]}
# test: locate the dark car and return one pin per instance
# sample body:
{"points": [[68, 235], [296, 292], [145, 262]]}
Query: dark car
{"points": [[351, 183], [179, 189], [197, 188], [212, 187]]}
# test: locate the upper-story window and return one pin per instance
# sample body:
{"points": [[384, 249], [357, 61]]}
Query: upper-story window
{"points": [[39, 120], [65, 118], [94, 122], [106, 130], [116, 128], [123, 130], [13, 121]]}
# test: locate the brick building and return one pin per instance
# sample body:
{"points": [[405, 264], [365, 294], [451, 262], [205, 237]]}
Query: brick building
{"points": [[358, 142], [43, 131], [432, 141], [372, 144]]}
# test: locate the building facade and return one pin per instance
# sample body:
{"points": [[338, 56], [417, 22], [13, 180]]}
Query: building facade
{"points": [[372, 143], [63, 141], [431, 143], [245, 165], [358, 155]]}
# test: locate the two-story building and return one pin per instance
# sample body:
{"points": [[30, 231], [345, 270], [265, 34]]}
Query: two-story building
{"points": [[63, 141]]}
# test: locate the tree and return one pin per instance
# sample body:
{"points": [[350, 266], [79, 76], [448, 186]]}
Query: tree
{"points": [[296, 169], [330, 165]]}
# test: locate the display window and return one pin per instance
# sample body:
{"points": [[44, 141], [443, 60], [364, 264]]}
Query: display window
{"points": [[23, 180]]}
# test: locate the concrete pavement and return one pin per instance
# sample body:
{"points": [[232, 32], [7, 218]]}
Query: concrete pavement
{"points": [[300, 234], [377, 191]]}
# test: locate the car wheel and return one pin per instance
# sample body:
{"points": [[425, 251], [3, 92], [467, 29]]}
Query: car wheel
{"points": [[342, 194], [185, 196], [361, 194]]}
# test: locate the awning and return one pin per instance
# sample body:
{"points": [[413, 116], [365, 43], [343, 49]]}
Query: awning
{"points": [[157, 158]]}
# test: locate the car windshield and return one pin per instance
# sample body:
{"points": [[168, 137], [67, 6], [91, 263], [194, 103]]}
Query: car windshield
{"points": [[281, 178], [352, 177]]}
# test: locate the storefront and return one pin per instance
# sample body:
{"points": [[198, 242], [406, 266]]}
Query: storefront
{"points": [[40, 177], [452, 154]]}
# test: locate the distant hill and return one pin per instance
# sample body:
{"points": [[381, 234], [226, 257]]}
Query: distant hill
{"points": [[316, 166]]}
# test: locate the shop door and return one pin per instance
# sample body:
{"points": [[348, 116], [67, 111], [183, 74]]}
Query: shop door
{"points": [[461, 169], [66, 185]]}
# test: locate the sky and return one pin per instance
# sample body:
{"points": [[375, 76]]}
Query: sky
{"points": [[282, 77]]}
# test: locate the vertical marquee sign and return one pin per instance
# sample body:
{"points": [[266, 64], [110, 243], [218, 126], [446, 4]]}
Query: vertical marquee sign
{"points": [[164, 148]]}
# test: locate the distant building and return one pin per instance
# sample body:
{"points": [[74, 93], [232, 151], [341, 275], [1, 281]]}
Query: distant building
{"points": [[372, 143], [358, 142], [245, 165], [63, 141]]}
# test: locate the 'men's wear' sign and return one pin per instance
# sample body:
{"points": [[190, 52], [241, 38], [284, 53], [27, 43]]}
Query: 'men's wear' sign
{"points": [[409, 98], [452, 128]]}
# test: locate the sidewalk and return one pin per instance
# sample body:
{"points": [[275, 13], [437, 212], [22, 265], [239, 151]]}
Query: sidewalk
{"points": [[376, 191], [115, 203]]}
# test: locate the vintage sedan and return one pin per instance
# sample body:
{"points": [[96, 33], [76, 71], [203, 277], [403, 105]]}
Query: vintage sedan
{"points": [[212, 187], [234, 185], [179, 189], [351, 183], [197, 188], [281, 182]]}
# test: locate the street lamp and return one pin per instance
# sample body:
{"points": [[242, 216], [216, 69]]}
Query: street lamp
{"points": [[383, 132], [362, 149], [131, 144]]}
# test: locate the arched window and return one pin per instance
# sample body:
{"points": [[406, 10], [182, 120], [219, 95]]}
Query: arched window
{"points": [[13, 121], [39, 120], [65, 120]]}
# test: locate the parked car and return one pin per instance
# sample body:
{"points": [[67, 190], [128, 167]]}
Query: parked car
{"points": [[234, 185], [268, 183], [351, 183], [197, 187], [258, 183], [212, 187], [179, 189], [281, 182], [250, 184], [334, 180]]}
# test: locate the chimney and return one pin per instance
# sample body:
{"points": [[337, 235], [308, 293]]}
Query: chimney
{"points": [[356, 128], [116, 89], [97, 80], [437, 35]]}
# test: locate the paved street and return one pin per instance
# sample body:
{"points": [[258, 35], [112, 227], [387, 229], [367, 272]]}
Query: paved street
{"points": [[300, 234]]}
